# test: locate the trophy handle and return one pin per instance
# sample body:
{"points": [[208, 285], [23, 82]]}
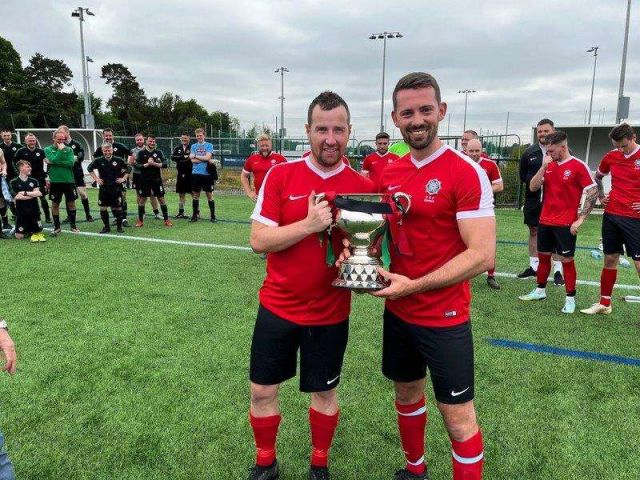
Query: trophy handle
{"points": [[401, 195], [318, 198]]}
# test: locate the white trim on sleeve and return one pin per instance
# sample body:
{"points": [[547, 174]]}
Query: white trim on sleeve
{"points": [[264, 220], [497, 180], [246, 171], [482, 212]]}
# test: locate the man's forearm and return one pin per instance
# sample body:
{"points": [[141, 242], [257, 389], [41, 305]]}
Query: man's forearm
{"points": [[591, 195], [462, 267], [244, 181], [537, 180], [599, 185], [267, 239]]}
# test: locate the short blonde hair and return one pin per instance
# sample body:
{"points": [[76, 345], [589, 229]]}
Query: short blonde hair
{"points": [[199, 130], [58, 130], [263, 136]]}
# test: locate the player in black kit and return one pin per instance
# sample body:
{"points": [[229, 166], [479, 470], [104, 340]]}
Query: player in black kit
{"points": [[122, 151], [184, 166], [112, 174], [150, 161], [26, 191], [35, 156]]}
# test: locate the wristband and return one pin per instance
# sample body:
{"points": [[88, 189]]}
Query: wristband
{"points": [[3, 324]]}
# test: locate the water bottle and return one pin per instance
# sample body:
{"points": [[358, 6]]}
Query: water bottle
{"points": [[597, 254], [624, 262]]}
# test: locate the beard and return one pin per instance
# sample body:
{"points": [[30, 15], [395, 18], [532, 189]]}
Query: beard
{"points": [[431, 132], [325, 160], [265, 154]]}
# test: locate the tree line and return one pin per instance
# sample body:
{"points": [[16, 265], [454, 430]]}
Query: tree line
{"points": [[34, 97]]}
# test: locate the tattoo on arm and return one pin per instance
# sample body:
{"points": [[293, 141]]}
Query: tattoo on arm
{"points": [[600, 185], [589, 201]]}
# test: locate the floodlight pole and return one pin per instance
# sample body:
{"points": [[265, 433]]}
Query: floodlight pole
{"points": [[593, 80], [282, 132], [87, 120], [624, 65], [383, 36], [466, 96]]}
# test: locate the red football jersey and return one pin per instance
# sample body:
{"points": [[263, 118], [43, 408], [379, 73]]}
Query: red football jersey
{"points": [[625, 181], [445, 187], [297, 286], [259, 166], [562, 190], [493, 172], [374, 163]]}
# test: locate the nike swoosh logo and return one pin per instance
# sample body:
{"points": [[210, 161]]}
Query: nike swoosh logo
{"points": [[333, 380], [566, 251], [394, 187], [455, 394], [296, 197]]}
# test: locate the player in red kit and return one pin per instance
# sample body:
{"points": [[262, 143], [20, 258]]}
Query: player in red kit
{"points": [[564, 179], [474, 151], [258, 164], [375, 162], [621, 219], [299, 309], [446, 238]]}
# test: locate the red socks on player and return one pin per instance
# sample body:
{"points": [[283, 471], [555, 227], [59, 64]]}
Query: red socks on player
{"points": [[323, 428], [570, 275], [468, 458], [607, 281], [265, 431], [412, 421], [544, 269]]}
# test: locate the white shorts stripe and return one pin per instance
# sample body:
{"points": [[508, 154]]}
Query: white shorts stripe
{"points": [[419, 411], [467, 460]]}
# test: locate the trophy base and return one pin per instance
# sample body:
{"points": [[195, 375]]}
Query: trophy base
{"points": [[360, 275]]}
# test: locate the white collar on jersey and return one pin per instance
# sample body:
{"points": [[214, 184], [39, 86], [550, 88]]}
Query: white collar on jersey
{"points": [[321, 173], [567, 160], [635, 150], [430, 158]]}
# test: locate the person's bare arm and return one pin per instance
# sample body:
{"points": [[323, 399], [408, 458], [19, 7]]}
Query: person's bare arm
{"points": [[538, 179], [246, 185]]}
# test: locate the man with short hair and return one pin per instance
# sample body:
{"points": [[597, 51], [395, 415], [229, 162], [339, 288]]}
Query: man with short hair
{"points": [[530, 163], [135, 172], [474, 152], [376, 161], [9, 149], [4, 191], [9, 350], [78, 172], [150, 160], [201, 178], [299, 309], [112, 174], [184, 167], [25, 191], [621, 219], [564, 179], [122, 151], [59, 160], [446, 238], [258, 164], [35, 156]]}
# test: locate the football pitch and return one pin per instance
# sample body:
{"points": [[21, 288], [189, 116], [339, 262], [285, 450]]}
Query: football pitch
{"points": [[133, 364]]}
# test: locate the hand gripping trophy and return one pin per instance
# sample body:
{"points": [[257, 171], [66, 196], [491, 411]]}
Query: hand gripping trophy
{"points": [[364, 219]]}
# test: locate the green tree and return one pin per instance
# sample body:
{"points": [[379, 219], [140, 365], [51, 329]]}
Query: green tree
{"points": [[11, 73], [48, 73], [128, 102]]}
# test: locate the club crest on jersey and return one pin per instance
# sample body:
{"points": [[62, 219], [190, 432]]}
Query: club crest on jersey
{"points": [[567, 174], [31, 184], [637, 162], [273, 162], [432, 188], [115, 164], [37, 154]]}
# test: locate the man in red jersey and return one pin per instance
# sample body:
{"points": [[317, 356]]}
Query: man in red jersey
{"points": [[564, 178], [299, 309], [447, 237], [375, 162], [259, 164], [474, 151], [467, 136], [621, 220]]}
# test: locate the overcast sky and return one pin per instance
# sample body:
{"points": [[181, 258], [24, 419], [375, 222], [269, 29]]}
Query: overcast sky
{"points": [[527, 58]]}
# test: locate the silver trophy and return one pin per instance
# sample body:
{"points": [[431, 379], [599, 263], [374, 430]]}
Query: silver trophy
{"points": [[361, 217]]}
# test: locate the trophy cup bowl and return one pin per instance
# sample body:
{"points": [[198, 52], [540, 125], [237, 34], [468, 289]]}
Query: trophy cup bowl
{"points": [[363, 229]]}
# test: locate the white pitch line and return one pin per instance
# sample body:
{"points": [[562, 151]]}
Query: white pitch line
{"points": [[158, 240], [248, 249], [621, 286]]}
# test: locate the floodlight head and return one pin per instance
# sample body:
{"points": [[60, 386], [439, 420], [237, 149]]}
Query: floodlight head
{"points": [[399, 35], [89, 59], [372, 37], [390, 35], [75, 13], [89, 12], [381, 36]]}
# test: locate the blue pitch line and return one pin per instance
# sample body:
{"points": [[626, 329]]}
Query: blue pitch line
{"points": [[583, 355]]}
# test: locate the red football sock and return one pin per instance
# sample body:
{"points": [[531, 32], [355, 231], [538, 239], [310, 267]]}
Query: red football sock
{"points": [[468, 458], [544, 268], [265, 431], [607, 281], [412, 422], [570, 277], [323, 428]]}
